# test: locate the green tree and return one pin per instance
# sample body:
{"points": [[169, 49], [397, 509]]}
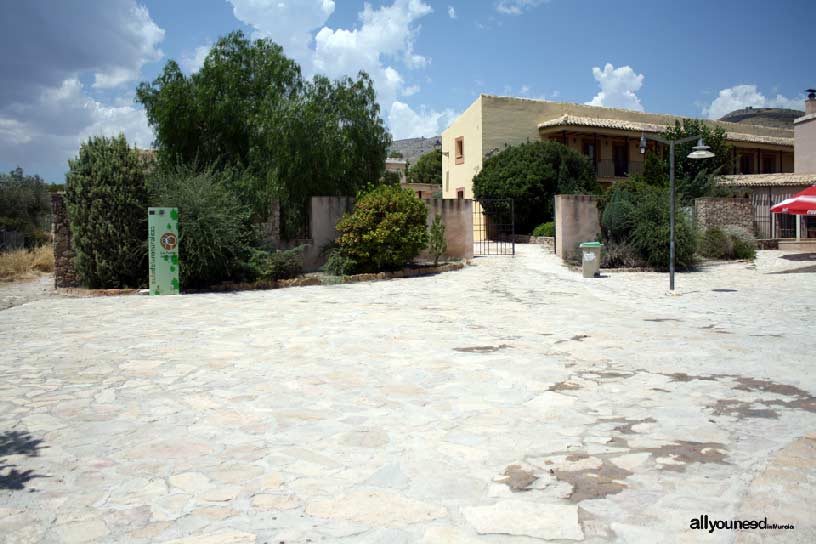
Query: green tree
{"points": [[428, 168], [395, 155], [249, 108], [25, 205], [696, 178], [391, 177], [107, 208], [532, 174]]}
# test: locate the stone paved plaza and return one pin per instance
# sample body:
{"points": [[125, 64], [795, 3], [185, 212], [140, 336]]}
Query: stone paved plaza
{"points": [[512, 401]]}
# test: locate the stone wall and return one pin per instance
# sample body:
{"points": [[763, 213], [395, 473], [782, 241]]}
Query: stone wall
{"points": [[722, 212], [576, 220], [64, 272]]}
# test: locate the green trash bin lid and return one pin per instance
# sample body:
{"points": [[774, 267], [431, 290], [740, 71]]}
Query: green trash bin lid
{"points": [[591, 244]]}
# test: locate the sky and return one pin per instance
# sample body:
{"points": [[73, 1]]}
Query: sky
{"points": [[70, 68]]}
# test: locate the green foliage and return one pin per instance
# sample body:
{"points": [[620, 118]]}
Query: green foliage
{"points": [[532, 174], [339, 264], [545, 229], [25, 206], [391, 177], [106, 200], [728, 243], [214, 229], [277, 265], [386, 230], [428, 168], [696, 178], [636, 215], [250, 109], [437, 242], [655, 171], [395, 155]]}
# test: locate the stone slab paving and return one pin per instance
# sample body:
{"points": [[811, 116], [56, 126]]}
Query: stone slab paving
{"points": [[513, 401]]}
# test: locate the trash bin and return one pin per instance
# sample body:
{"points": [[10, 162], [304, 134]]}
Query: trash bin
{"points": [[591, 261]]}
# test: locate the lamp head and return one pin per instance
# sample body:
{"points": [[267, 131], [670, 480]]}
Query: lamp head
{"points": [[701, 151], [642, 143]]}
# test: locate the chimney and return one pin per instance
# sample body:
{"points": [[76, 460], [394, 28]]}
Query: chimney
{"points": [[810, 103]]}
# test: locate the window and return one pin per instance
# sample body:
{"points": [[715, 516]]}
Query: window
{"points": [[459, 148], [447, 181], [589, 150], [621, 159], [460, 193], [746, 164], [768, 164]]}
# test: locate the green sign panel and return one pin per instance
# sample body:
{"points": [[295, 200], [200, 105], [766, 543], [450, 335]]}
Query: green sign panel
{"points": [[162, 249]]}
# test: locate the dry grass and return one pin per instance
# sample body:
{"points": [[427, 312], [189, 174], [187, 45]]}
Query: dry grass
{"points": [[23, 263]]}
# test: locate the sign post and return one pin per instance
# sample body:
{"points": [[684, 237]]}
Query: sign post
{"points": [[162, 250]]}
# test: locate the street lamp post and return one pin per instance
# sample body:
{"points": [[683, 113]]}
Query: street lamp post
{"points": [[701, 151]]}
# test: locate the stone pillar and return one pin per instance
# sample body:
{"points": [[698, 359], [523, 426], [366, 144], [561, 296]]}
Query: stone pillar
{"points": [[271, 228], [64, 272]]}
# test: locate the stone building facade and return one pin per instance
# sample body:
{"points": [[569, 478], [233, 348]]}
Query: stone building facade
{"points": [[65, 274]]}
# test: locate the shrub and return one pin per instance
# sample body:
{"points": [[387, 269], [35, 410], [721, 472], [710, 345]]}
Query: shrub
{"points": [[214, 229], [437, 243], [545, 229], [637, 214], [20, 263], [728, 243], [619, 255], [532, 174], [428, 168], [106, 200], [25, 206], [386, 230], [339, 264], [277, 265]]}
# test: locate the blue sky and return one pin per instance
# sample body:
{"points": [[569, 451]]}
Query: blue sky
{"points": [[429, 58]]}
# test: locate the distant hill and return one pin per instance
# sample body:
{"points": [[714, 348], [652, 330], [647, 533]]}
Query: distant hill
{"points": [[766, 117], [413, 148]]}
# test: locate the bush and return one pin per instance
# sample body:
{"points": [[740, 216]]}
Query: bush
{"points": [[728, 243], [339, 265], [25, 206], [214, 228], [545, 229], [619, 255], [636, 215], [386, 230], [437, 243], [532, 174], [106, 200], [277, 265]]}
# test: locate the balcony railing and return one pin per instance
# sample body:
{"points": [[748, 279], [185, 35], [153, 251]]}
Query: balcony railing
{"points": [[605, 168]]}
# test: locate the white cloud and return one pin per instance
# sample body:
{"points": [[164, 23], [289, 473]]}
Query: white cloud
{"points": [[517, 7], [146, 36], [192, 62], [288, 22], [407, 123], [618, 87], [743, 96], [382, 44], [45, 112], [451, 12]]}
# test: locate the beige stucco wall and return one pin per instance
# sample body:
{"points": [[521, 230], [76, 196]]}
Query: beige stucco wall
{"points": [[469, 127], [576, 220], [804, 147], [457, 216]]}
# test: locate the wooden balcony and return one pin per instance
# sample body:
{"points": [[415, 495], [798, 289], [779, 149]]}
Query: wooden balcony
{"points": [[606, 168]]}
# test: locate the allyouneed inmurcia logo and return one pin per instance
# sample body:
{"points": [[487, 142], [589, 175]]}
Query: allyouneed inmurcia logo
{"points": [[705, 523]]}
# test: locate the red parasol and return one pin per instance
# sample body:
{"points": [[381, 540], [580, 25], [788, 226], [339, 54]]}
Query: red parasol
{"points": [[803, 203]]}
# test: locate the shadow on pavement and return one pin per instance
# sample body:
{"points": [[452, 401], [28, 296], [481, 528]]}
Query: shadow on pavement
{"points": [[17, 443]]}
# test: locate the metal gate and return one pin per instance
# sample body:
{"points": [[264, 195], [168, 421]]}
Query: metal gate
{"points": [[494, 228]]}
